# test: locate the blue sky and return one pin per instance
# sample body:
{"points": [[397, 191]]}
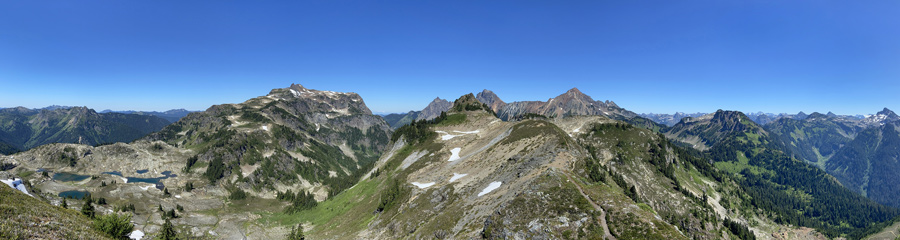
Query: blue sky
{"points": [[647, 56]]}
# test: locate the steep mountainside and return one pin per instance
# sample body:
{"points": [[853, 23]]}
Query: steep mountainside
{"points": [[26, 128], [171, 115], [864, 150], [669, 119], [816, 138], [6, 148], [294, 134], [869, 164], [797, 193]]}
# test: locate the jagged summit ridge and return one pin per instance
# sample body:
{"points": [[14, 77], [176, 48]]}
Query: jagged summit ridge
{"points": [[571, 103]]}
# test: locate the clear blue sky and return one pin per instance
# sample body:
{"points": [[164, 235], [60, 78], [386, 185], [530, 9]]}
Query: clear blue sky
{"points": [[648, 56]]}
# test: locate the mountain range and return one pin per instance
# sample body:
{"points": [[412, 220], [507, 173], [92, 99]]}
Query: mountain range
{"points": [[171, 115], [567, 168], [22, 128]]}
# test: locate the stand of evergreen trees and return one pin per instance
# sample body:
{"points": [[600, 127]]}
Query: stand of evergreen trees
{"points": [[300, 201]]}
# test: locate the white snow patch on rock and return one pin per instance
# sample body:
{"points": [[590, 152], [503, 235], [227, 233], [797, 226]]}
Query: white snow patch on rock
{"points": [[447, 136], [454, 154], [17, 184], [265, 128], [147, 187], [491, 187], [423, 185], [124, 180], [136, 235], [457, 176], [469, 132]]}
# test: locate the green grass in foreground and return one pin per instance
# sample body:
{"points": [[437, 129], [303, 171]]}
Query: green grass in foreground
{"points": [[351, 209], [25, 217]]}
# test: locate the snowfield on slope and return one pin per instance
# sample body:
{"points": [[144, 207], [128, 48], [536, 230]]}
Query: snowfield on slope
{"points": [[447, 136], [454, 154], [491, 187], [457, 176], [423, 185]]}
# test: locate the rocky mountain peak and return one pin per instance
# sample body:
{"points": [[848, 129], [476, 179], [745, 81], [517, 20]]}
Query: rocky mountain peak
{"points": [[434, 109], [888, 112], [729, 117], [297, 87], [466, 99], [885, 115], [492, 100], [574, 90], [574, 94]]}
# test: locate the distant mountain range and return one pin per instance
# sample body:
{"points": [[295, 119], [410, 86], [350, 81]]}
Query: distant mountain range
{"points": [[171, 115], [570, 103], [669, 119], [22, 128]]}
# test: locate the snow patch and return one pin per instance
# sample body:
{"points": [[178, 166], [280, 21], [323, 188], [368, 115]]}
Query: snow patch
{"points": [[124, 180], [457, 176], [447, 136], [295, 92], [17, 184], [423, 185], [177, 196], [454, 154], [147, 187], [491, 187], [265, 128], [136, 235], [469, 132]]}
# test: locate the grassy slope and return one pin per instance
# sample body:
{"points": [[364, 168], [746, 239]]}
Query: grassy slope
{"points": [[25, 217]]}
